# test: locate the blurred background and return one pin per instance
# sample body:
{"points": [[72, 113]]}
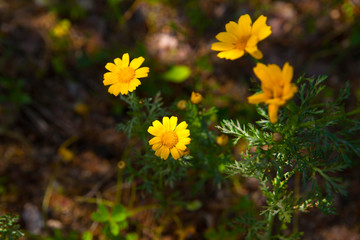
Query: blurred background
{"points": [[54, 107]]}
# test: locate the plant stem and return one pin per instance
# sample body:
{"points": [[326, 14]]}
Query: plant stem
{"points": [[269, 225]]}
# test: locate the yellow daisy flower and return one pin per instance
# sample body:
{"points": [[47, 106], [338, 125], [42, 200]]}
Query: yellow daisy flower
{"points": [[124, 77], [242, 37], [169, 137], [276, 86]]}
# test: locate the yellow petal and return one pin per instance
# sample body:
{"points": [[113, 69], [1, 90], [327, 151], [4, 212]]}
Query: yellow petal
{"points": [[258, 98], [287, 73], [118, 62], [115, 89], [112, 67], [183, 125], [261, 71], [154, 140], [166, 123], [273, 112], [173, 122], [289, 91], [141, 72], [125, 60], [222, 46], [180, 146], [231, 54], [157, 124], [185, 141], [110, 78], [133, 84], [183, 133], [260, 29], [255, 53], [245, 24], [155, 131], [136, 62], [233, 28], [175, 153], [226, 37], [164, 151], [156, 147], [124, 88], [276, 101], [158, 152]]}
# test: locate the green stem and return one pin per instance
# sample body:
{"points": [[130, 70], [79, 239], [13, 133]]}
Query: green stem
{"points": [[270, 222]]}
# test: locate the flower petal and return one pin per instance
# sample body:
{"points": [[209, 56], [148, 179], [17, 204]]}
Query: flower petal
{"points": [[166, 123], [154, 140], [156, 146], [273, 112], [222, 46], [245, 24], [115, 89], [226, 37], [124, 89], [175, 153], [233, 28], [185, 141], [173, 123], [110, 78], [261, 71], [136, 62], [125, 60], [256, 53], [287, 73], [141, 72], [182, 126], [118, 62], [183, 133], [155, 131], [231, 54], [133, 84], [112, 67], [181, 146], [164, 151], [260, 29], [258, 98]]}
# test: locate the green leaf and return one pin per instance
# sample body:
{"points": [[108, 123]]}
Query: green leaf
{"points": [[119, 213], [177, 73], [102, 215], [131, 236], [114, 228], [87, 236]]}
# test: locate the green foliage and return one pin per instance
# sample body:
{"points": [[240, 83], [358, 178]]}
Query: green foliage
{"points": [[177, 73], [13, 92], [59, 235], [316, 143], [9, 229], [114, 221]]}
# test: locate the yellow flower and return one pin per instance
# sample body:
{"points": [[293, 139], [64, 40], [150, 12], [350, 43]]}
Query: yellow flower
{"points": [[276, 87], [240, 37], [62, 28], [196, 98], [222, 140], [169, 137], [182, 104], [123, 77]]}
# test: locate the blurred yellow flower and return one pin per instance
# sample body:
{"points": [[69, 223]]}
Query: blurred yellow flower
{"points": [[222, 140], [123, 77], [169, 137], [196, 98], [242, 37], [276, 87], [182, 104], [62, 28]]}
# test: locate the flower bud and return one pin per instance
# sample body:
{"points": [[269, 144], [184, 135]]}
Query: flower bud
{"points": [[277, 137], [196, 98], [182, 104], [222, 140]]}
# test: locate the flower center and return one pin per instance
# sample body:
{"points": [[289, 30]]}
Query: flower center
{"points": [[169, 139], [126, 75], [241, 44]]}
